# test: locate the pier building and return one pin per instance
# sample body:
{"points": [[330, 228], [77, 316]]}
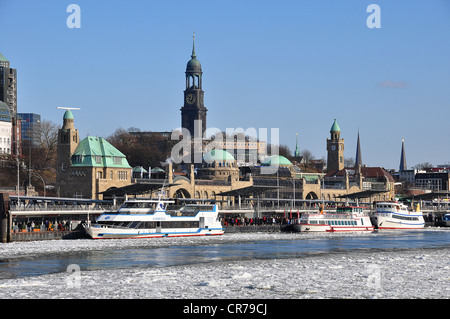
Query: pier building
{"points": [[88, 167]]}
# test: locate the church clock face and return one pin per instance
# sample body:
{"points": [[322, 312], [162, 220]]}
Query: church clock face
{"points": [[190, 98], [333, 147]]}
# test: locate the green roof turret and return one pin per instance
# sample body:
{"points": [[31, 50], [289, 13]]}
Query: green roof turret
{"points": [[335, 127], [2, 58], [193, 66], [68, 115]]}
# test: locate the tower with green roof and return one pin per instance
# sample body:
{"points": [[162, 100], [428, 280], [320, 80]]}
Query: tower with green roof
{"points": [[68, 140], [335, 149], [88, 167]]}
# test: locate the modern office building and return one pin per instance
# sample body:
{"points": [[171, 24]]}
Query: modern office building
{"points": [[434, 181], [30, 127], [8, 85]]}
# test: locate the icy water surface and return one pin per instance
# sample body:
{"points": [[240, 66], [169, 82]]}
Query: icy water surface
{"points": [[252, 265]]}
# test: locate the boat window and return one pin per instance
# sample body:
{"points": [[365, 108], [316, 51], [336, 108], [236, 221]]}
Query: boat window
{"points": [[180, 224], [133, 225]]}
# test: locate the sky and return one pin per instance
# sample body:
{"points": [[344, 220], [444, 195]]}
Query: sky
{"points": [[290, 65]]}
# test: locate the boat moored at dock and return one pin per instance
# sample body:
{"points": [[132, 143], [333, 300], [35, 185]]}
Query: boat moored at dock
{"points": [[141, 218], [446, 220], [395, 215], [345, 219]]}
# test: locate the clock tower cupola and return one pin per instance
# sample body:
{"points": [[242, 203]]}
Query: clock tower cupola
{"points": [[193, 112]]}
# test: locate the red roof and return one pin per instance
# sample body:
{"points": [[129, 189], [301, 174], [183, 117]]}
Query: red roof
{"points": [[366, 172]]}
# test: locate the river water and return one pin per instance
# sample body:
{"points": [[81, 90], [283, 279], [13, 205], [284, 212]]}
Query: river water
{"points": [[262, 262]]}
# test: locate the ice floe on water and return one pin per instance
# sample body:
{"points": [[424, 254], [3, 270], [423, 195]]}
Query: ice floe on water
{"points": [[404, 274]]}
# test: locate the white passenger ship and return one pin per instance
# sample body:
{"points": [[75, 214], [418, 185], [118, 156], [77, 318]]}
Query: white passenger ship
{"points": [[149, 218], [446, 220], [346, 218], [395, 215]]}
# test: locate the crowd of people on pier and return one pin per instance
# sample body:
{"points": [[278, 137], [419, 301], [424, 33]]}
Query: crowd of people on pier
{"points": [[246, 221], [44, 225]]}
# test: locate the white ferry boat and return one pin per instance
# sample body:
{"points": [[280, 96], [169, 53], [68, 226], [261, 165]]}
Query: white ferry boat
{"points": [[346, 218], [395, 215], [149, 218], [446, 220]]}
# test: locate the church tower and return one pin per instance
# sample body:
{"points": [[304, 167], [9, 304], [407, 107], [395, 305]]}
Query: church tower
{"points": [[193, 112], [335, 149]]}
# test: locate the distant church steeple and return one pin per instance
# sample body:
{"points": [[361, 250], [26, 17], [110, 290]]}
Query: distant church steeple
{"points": [[403, 157], [358, 160], [297, 150]]}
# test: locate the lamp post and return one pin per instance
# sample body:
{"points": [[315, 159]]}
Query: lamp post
{"points": [[37, 175], [16, 128]]}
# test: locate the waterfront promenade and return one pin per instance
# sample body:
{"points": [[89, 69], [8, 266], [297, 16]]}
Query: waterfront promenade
{"points": [[66, 218]]}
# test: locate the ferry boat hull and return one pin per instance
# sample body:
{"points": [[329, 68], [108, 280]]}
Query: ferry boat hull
{"points": [[150, 219], [394, 215], [98, 232], [346, 219], [328, 228]]}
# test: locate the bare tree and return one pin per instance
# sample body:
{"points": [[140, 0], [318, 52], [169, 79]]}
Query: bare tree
{"points": [[48, 142], [349, 162], [423, 166]]}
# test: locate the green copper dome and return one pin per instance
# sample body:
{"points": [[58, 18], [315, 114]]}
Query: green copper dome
{"points": [[276, 160], [2, 58], [68, 115], [217, 155], [193, 66], [335, 127]]}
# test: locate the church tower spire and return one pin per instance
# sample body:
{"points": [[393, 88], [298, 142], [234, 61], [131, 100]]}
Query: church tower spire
{"points": [[193, 112], [193, 55], [403, 157], [297, 150], [358, 160]]}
